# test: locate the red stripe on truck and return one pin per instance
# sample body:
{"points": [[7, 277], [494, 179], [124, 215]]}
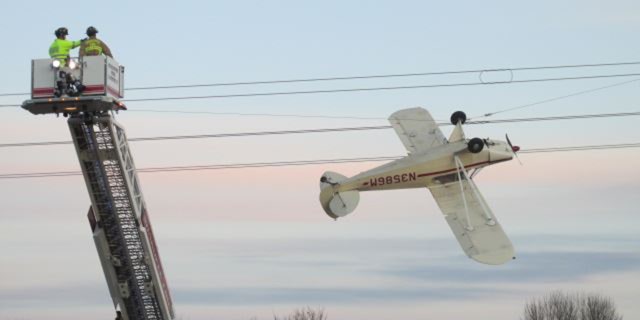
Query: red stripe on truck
{"points": [[156, 257]]}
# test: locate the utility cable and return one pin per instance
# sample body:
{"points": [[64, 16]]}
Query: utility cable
{"points": [[398, 75], [324, 130], [445, 85], [557, 98], [378, 118], [302, 162], [364, 89], [201, 136], [583, 148], [278, 115]]}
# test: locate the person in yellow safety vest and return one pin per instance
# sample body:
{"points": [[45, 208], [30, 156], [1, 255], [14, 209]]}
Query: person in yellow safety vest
{"points": [[94, 46], [60, 47]]}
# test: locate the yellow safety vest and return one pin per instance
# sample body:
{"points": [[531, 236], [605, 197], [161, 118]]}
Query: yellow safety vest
{"points": [[60, 48], [92, 47]]}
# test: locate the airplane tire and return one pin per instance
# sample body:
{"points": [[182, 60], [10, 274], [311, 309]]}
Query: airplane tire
{"points": [[475, 145], [458, 116]]}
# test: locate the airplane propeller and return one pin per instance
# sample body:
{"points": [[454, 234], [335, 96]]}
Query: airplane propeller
{"points": [[514, 149]]}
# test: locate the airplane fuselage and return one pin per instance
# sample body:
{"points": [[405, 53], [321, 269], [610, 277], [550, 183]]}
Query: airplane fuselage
{"points": [[423, 170]]}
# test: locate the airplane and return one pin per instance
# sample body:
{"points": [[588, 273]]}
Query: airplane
{"points": [[443, 166]]}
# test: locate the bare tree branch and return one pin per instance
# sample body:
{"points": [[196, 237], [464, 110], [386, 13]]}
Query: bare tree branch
{"points": [[579, 306]]}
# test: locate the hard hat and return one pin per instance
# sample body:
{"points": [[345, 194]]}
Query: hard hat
{"points": [[62, 31], [91, 31]]}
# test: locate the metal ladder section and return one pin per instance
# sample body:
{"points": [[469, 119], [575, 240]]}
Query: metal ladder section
{"points": [[119, 221]]}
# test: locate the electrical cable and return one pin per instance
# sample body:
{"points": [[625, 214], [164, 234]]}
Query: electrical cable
{"points": [[557, 98], [583, 148], [242, 83], [301, 162], [445, 85], [201, 136], [324, 130], [256, 114], [378, 118]]}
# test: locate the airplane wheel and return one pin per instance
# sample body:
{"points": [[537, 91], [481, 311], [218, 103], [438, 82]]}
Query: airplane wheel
{"points": [[475, 145], [458, 116]]}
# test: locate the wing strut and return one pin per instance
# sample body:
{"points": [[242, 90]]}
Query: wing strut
{"points": [[460, 168], [487, 213]]}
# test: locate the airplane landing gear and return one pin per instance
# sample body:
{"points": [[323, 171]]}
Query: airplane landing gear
{"points": [[475, 145], [458, 116]]}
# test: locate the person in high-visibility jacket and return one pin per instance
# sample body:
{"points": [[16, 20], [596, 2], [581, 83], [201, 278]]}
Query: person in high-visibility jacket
{"points": [[61, 47], [94, 46]]}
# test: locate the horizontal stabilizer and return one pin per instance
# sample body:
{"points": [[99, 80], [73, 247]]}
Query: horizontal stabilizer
{"points": [[336, 204]]}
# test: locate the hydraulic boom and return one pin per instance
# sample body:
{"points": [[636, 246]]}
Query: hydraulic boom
{"points": [[118, 216], [119, 220]]}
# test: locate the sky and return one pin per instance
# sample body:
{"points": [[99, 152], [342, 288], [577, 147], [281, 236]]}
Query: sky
{"points": [[251, 243]]}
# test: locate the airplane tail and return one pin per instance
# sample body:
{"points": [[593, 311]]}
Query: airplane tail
{"points": [[336, 204]]}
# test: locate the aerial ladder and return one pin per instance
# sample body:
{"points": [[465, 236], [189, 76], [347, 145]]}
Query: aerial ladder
{"points": [[89, 91]]}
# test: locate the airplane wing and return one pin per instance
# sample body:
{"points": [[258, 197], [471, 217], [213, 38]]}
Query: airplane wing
{"points": [[485, 243], [417, 129]]}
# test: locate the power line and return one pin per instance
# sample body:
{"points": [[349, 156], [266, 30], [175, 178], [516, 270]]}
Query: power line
{"points": [[257, 114], [324, 130], [558, 98], [570, 117], [583, 148], [214, 135], [378, 118], [300, 162], [397, 75], [445, 85]]}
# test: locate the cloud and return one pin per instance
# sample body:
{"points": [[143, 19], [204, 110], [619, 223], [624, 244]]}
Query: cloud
{"points": [[529, 267], [351, 272], [402, 270], [73, 295], [315, 296]]}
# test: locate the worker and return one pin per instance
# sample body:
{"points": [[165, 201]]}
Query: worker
{"points": [[66, 82], [94, 46], [60, 47]]}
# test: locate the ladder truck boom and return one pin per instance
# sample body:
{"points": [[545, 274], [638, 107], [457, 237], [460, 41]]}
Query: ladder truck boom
{"points": [[118, 215]]}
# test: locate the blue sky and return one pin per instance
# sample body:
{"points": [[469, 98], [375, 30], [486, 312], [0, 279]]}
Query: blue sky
{"points": [[254, 242]]}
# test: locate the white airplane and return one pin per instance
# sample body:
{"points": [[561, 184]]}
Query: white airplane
{"points": [[443, 167]]}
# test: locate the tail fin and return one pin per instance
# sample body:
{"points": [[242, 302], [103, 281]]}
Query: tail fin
{"points": [[336, 204]]}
